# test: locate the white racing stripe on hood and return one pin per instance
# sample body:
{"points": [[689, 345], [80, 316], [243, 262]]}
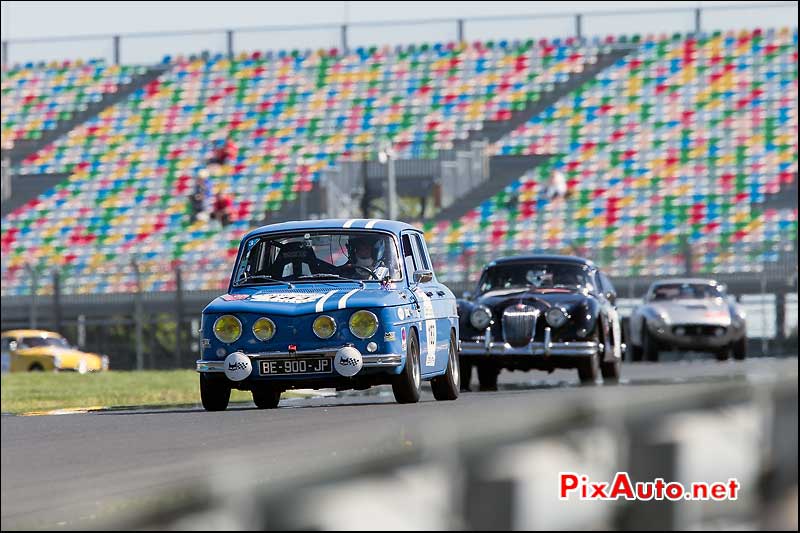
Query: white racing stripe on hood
{"points": [[343, 299], [349, 223], [321, 303], [371, 224]]}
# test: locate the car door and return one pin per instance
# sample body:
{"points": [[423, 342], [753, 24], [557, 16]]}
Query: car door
{"points": [[425, 296], [609, 296], [444, 305]]}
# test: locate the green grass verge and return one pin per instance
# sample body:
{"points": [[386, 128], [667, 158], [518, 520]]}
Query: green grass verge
{"points": [[45, 391]]}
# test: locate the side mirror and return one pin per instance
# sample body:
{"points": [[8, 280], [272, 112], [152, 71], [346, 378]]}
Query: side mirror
{"points": [[467, 295], [612, 297], [423, 276]]}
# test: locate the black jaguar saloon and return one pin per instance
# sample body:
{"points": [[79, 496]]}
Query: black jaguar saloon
{"points": [[540, 312]]}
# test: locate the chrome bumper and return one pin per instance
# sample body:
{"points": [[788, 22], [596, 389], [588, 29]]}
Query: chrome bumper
{"points": [[546, 348], [390, 360]]}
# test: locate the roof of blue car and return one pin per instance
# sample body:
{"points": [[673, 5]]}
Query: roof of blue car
{"points": [[335, 223]]}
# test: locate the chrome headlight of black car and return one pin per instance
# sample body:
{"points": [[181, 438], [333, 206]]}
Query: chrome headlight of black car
{"points": [[480, 317], [555, 317]]}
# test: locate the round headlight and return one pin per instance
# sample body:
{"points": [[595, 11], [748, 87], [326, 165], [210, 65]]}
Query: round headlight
{"points": [[264, 329], [227, 328], [363, 324], [556, 317], [324, 327], [481, 317]]}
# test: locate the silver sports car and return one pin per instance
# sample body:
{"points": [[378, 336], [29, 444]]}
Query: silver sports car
{"points": [[687, 314]]}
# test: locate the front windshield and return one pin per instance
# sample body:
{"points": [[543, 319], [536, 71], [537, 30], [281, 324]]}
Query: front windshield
{"points": [[36, 342], [537, 276], [318, 256], [686, 291]]}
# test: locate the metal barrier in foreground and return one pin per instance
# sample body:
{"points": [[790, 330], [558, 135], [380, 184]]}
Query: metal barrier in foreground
{"points": [[501, 473]]}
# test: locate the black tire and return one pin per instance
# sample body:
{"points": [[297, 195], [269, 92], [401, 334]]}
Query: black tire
{"points": [[649, 346], [465, 368], [487, 377], [407, 385], [266, 397], [36, 367], [214, 393], [739, 349], [448, 385], [610, 370], [589, 370], [723, 354], [636, 353]]}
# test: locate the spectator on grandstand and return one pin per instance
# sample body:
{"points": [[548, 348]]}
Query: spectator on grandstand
{"points": [[556, 186], [223, 152], [223, 205], [200, 199]]}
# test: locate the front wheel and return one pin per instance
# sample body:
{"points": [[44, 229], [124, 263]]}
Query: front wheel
{"points": [[447, 386], [266, 397], [649, 347], [589, 370], [465, 368], [487, 377], [214, 393], [636, 353], [406, 386], [723, 354], [739, 349]]}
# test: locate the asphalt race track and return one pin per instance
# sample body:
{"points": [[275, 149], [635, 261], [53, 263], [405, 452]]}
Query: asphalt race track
{"points": [[74, 471]]}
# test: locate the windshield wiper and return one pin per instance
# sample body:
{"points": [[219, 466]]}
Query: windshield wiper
{"points": [[332, 276], [264, 277]]}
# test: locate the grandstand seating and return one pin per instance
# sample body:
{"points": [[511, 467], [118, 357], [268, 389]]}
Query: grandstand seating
{"points": [[681, 137], [37, 97], [292, 115]]}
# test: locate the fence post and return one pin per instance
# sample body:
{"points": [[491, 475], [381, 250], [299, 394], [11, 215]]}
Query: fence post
{"points": [[137, 299], [579, 26], [460, 30], [697, 20], [32, 316], [57, 301], [344, 39], [229, 34], [648, 459], [81, 331], [780, 316], [178, 315], [764, 340], [116, 49]]}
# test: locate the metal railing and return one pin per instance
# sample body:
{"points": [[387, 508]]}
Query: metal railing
{"points": [[345, 36], [494, 469]]}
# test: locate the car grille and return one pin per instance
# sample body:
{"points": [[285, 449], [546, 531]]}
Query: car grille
{"points": [[697, 330], [519, 322]]}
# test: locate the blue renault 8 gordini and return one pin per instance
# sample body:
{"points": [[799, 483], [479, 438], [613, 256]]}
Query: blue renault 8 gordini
{"points": [[343, 304]]}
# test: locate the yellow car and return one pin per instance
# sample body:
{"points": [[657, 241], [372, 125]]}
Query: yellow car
{"points": [[30, 350]]}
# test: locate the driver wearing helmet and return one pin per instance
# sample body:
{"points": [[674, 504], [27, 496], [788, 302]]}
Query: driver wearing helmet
{"points": [[539, 278], [364, 256]]}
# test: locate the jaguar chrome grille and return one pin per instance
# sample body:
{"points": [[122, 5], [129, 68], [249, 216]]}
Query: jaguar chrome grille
{"points": [[519, 323]]}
